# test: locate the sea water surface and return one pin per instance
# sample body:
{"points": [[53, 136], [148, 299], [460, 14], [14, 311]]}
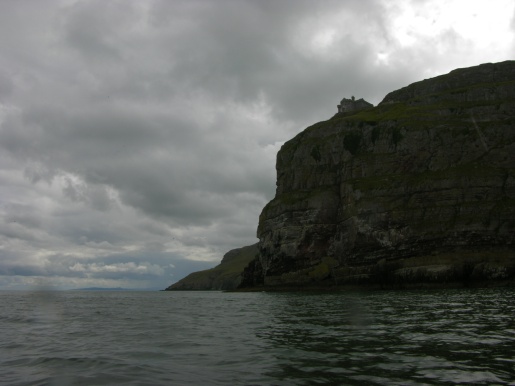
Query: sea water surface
{"points": [[215, 338]]}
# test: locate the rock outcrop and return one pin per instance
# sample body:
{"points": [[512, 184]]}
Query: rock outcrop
{"points": [[353, 105], [225, 276], [419, 189]]}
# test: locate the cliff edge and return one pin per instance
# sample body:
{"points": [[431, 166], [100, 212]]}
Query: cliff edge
{"points": [[420, 189]]}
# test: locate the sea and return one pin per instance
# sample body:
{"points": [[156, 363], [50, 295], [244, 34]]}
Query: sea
{"points": [[415, 337]]}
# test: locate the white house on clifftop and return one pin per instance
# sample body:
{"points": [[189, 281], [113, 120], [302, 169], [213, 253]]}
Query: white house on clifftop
{"points": [[348, 105]]}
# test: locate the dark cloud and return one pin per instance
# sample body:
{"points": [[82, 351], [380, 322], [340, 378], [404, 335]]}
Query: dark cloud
{"points": [[139, 135]]}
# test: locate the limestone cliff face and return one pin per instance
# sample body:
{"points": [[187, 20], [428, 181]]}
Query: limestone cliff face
{"points": [[419, 188]]}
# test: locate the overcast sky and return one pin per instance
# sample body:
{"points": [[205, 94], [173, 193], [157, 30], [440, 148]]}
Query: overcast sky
{"points": [[138, 138]]}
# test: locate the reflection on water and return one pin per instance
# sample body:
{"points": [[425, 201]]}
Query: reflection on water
{"points": [[349, 338], [417, 337]]}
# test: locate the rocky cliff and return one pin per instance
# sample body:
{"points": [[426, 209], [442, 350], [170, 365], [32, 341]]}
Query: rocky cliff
{"points": [[225, 276], [419, 189]]}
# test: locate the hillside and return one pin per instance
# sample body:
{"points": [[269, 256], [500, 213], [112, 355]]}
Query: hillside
{"points": [[225, 276]]}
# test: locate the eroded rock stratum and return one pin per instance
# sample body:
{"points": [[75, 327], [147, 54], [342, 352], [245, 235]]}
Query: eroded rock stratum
{"points": [[419, 189]]}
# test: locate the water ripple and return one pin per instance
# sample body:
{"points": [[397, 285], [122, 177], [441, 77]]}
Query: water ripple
{"points": [[397, 338]]}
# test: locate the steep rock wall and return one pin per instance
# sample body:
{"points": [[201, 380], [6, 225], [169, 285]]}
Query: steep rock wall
{"points": [[419, 188]]}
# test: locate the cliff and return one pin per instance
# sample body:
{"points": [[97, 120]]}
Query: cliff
{"points": [[420, 189], [225, 276]]}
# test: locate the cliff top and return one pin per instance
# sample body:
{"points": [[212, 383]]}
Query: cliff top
{"points": [[418, 92]]}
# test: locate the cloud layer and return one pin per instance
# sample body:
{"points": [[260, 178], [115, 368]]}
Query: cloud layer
{"points": [[138, 139]]}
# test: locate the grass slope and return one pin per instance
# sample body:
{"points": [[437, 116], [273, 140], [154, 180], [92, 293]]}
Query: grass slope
{"points": [[225, 276]]}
